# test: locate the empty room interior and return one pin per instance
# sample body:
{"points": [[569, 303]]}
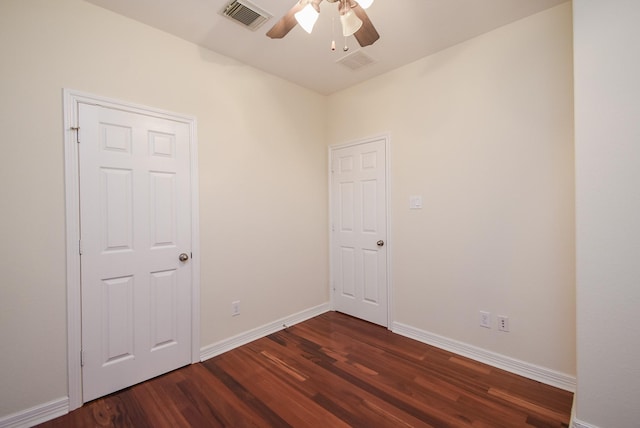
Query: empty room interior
{"points": [[500, 223]]}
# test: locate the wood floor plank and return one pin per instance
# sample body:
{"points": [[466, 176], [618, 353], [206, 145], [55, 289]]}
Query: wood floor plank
{"points": [[354, 400], [283, 393], [331, 371], [393, 377], [337, 395], [535, 409]]}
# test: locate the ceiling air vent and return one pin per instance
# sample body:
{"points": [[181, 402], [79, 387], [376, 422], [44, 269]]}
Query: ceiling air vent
{"points": [[356, 60], [246, 14]]}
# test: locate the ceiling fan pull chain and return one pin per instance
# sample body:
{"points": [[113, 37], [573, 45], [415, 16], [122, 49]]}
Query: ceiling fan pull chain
{"points": [[342, 9], [333, 34]]}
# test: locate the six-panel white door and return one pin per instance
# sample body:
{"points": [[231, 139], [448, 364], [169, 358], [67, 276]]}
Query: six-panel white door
{"points": [[359, 228], [135, 214]]}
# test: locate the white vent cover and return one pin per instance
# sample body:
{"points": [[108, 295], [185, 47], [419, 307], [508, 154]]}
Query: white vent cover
{"points": [[246, 14], [356, 60]]}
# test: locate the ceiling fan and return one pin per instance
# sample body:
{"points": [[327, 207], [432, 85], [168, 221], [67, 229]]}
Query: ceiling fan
{"points": [[352, 16]]}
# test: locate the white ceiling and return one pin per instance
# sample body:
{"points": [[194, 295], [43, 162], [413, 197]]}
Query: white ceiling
{"points": [[409, 30]]}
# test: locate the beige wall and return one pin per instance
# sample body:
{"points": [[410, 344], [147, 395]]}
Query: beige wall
{"points": [[262, 168], [607, 66], [483, 132]]}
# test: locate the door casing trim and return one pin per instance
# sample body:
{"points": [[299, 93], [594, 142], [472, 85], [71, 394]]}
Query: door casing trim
{"points": [[389, 241], [72, 99]]}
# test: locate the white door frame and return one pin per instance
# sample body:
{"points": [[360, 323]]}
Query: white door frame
{"points": [[72, 203], [389, 240]]}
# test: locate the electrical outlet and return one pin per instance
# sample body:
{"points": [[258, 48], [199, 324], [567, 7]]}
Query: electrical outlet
{"points": [[503, 323], [485, 319], [235, 308]]}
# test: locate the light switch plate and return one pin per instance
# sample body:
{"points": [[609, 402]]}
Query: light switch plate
{"points": [[415, 202]]}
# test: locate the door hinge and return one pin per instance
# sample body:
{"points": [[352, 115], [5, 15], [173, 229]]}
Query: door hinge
{"points": [[80, 247], [81, 358], [77, 129]]}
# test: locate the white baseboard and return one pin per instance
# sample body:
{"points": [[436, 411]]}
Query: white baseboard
{"points": [[225, 345], [36, 414], [522, 368], [577, 423]]}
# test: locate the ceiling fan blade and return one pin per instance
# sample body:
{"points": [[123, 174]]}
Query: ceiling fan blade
{"points": [[286, 24], [367, 34]]}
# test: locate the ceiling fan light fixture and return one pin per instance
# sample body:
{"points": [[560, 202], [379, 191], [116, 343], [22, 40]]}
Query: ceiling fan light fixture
{"points": [[308, 16], [365, 3], [350, 23], [353, 18]]}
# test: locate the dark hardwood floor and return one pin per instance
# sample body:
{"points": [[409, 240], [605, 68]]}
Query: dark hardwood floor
{"points": [[331, 371]]}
